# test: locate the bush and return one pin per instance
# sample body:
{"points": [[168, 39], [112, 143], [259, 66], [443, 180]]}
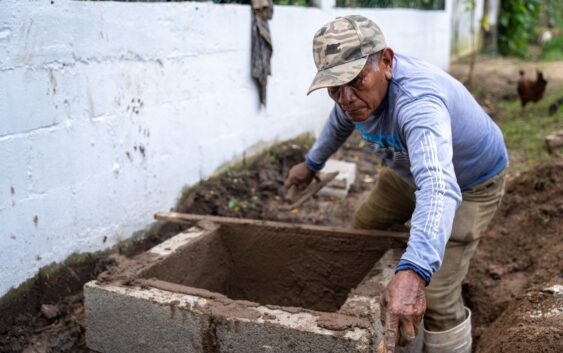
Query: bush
{"points": [[517, 22]]}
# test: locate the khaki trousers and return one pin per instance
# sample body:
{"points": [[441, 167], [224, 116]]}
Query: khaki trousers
{"points": [[392, 201]]}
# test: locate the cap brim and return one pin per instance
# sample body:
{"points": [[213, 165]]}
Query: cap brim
{"points": [[338, 75]]}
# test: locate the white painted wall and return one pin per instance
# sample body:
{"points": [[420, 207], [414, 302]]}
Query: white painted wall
{"points": [[108, 109], [464, 41]]}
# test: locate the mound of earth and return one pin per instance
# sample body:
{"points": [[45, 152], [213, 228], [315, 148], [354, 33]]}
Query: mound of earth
{"points": [[520, 255], [531, 324], [257, 190]]}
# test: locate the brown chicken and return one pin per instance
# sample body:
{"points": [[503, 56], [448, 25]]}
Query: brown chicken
{"points": [[529, 90]]}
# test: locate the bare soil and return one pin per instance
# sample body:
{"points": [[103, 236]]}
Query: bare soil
{"points": [[520, 256], [496, 78]]}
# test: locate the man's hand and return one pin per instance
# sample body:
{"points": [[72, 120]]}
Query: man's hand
{"points": [[300, 176], [402, 306]]}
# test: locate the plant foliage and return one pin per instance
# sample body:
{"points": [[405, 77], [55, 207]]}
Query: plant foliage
{"points": [[304, 3], [517, 22], [554, 9], [413, 4]]}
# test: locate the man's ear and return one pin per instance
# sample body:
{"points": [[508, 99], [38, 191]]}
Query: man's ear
{"points": [[387, 62]]}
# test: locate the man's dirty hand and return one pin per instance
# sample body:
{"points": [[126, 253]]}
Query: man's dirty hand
{"points": [[300, 176], [402, 306]]}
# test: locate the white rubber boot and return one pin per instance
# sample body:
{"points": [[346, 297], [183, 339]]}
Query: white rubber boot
{"points": [[454, 340]]}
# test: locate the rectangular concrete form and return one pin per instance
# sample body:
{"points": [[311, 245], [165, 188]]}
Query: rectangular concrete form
{"points": [[244, 288]]}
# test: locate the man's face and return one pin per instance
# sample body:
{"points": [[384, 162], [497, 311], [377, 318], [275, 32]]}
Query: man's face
{"points": [[363, 95]]}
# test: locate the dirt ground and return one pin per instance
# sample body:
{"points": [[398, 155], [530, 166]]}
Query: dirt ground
{"points": [[521, 255], [511, 287], [496, 77]]}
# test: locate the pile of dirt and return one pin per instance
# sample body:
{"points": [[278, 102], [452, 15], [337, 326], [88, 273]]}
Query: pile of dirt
{"points": [[256, 190], [520, 255], [530, 324]]}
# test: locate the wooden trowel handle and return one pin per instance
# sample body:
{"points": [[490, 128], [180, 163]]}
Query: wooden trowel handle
{"points": [[292, 193], [311, 190]]}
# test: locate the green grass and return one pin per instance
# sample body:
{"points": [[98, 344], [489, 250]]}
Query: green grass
{"points": [[554, 10], [525, 130], [553, 50]]}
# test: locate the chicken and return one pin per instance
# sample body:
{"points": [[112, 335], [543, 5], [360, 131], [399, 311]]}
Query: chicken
{"points": [[529, 90]]}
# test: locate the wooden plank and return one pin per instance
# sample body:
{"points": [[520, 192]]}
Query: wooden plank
{"points": [[325, 230]]}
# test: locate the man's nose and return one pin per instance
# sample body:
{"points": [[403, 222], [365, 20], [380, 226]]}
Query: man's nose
{"points": [[346, 96]]}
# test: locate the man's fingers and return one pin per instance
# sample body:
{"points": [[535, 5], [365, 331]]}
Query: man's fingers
{"points": [[402, 306], [288, 182], [408, 332], [391, 331], [299, 175], [382, 310], [416, 323]]}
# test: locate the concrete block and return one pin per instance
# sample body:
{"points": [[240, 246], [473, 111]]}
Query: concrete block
{"points": [[340, 186], [29, 101], [264, 287], [13, 173]]}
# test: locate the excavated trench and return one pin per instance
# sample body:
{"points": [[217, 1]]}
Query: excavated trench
{"points": [[519, 254]]}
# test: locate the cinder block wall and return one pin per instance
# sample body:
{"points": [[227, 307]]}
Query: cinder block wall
{"points": [[108, 109]]}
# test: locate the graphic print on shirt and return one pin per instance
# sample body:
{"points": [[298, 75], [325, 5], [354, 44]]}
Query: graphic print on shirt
{"points": [[437, 183], [386, 146]]}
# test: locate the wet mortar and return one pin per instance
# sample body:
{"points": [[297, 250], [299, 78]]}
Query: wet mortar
{"points": [[272, 266]]}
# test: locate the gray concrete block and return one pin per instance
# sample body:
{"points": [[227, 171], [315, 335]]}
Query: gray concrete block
{"points": [[126, 320], [135, 319], [340, 186]]}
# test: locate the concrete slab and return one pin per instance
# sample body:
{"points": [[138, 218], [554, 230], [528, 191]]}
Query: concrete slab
{"points": [[340, 186], [235, 288]]}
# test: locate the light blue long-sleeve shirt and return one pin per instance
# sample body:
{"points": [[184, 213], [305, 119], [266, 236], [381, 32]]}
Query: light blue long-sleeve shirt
{"points": [[434, 135]]}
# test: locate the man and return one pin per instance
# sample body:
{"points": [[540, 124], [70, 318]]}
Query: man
{"points": [[445, 159]]}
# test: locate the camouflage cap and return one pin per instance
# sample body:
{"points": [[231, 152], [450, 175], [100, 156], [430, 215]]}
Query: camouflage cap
{"points": [[341, 49]]}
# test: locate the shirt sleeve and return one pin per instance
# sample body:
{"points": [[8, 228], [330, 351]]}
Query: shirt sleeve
{"points": [[336, 130], [426, 127]]}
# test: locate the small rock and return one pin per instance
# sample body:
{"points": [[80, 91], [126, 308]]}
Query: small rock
{"points": [[50, 311], [496, 271], [556, 290], [495, 276]]}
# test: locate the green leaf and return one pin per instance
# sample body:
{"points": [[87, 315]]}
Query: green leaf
{"points": [[504, 20], [234, 204]]}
